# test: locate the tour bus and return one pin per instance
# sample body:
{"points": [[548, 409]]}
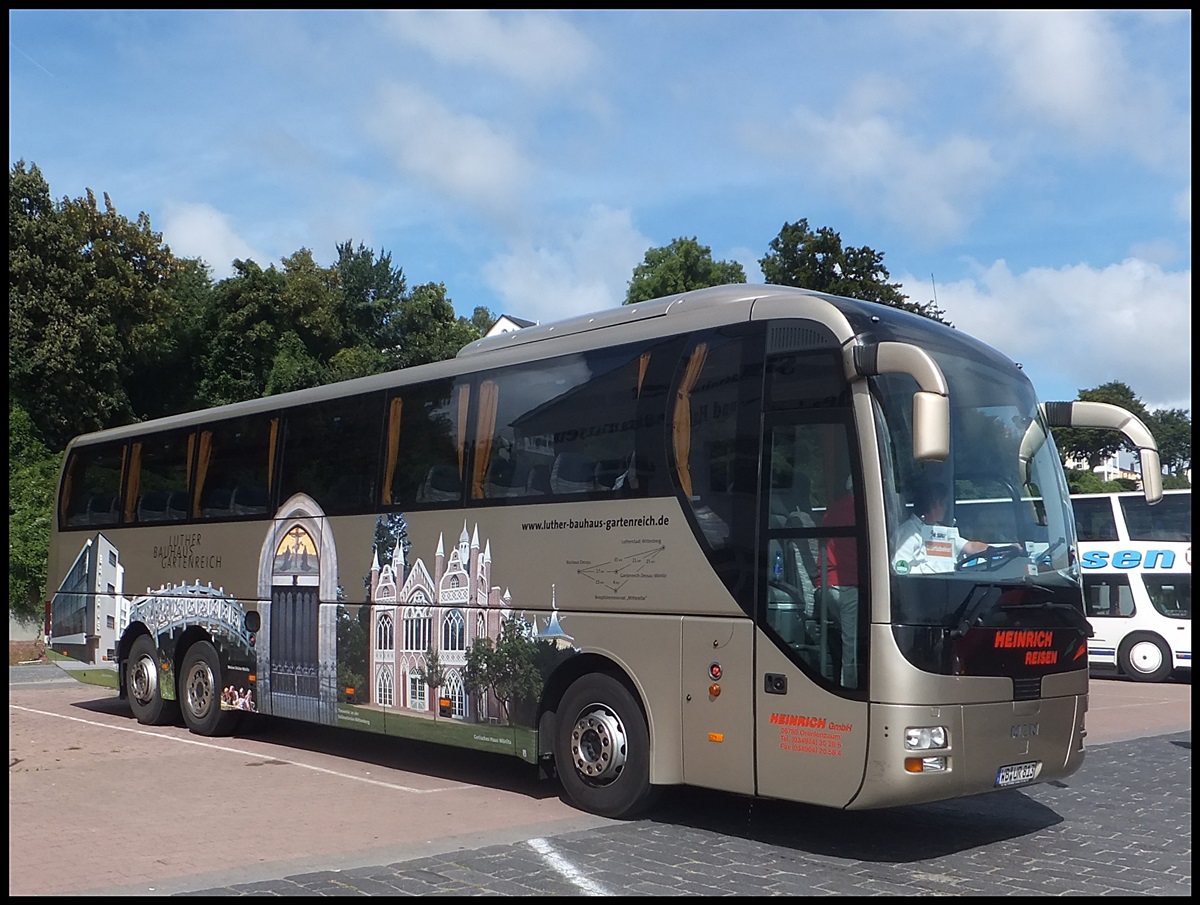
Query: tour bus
{"points": [[645, 547], [1137, 582]]}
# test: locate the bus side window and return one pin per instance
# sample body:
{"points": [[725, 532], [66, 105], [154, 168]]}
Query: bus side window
{"points": [[92, 486], [1094, 519], [423, 445], [331, 453], [1108, 596], [158, 476], [235, 466], [568, 426]]}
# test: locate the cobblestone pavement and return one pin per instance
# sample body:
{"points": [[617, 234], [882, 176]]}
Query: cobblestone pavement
{"points": [[1120, 826]]}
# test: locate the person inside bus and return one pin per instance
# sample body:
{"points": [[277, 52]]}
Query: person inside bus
{"points": [[841, 577], [922, 544]]}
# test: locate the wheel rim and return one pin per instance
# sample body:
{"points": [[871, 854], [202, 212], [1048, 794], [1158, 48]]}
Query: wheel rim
{"points": [[201, 690], [1146, 657], [143, 679], [598, 746]]}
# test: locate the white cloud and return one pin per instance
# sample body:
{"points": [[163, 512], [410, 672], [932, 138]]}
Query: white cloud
{"points": [[1078, 327], [459, 154], [586, 268], [866, 159], [201, 231], [1070, 70], [540, 50]]}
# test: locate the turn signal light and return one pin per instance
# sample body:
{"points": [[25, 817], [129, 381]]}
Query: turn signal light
{"points": [[925, 764]]}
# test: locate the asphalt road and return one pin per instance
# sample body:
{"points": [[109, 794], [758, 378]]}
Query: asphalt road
{"points": [[101, 805]]}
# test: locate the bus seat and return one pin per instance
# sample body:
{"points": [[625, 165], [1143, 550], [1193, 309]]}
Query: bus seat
{"points": [[102, 509], [537, 482], [572, 473], [441, 484], [177, 504], [502, 480], [216, 501], [152, 506], [607, 472], [248, 501]]}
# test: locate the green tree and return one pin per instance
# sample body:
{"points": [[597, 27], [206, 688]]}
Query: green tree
{"points": [[508, 668], [433, 674], [89, 307], [1080, 480], [1172, 430], [818, 261], [428, 328], [482, 319], [243, 330], [166, 384], [372, 292], [1094, 446], [682, 266], [352, 635], [32, 478]]}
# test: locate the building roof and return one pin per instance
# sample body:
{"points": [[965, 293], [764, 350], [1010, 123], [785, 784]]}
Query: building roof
{"points": [[506, 323]]}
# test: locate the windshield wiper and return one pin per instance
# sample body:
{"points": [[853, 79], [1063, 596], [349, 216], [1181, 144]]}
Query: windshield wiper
{"points": [[982, 596]]}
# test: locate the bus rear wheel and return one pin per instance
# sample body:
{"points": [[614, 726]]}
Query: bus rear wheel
{"points": [[1145, 657], [602, 748], [200, 692], [143, 685]]}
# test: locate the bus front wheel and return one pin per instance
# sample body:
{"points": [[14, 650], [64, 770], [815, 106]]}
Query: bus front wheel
{"points": [[602, 748], [143, 685], [1145, 658], [200, 692]]}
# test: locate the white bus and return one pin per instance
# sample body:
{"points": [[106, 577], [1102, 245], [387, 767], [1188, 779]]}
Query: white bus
{"points": [[1137, 579]]}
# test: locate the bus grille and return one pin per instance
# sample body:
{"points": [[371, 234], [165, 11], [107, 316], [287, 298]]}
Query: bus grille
{"points": [[1027, 689]]}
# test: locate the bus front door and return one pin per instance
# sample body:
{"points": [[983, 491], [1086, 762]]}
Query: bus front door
{"points": [[811, 742], [811, 645]]}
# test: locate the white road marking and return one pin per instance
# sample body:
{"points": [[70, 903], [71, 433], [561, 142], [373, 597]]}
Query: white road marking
{"points": [[566, 868], [192, 741]]}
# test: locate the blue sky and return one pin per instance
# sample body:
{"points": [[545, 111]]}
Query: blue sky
{"points": [[1029, 169]]}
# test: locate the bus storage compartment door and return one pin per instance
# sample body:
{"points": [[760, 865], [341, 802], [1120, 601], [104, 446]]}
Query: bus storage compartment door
{"points": [[718, 703], [811, 743]]}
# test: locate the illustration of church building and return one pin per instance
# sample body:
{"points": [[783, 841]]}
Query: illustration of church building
{"points": [[414, 610]]}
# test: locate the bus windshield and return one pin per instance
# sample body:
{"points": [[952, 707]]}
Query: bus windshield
{"points": [[938, 522]]}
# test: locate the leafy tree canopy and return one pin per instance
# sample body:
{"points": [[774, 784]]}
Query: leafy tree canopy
{"points": [[89, 307], [818, 261], [428, 328], [1094, 446], [32, 478], [682, 266]]}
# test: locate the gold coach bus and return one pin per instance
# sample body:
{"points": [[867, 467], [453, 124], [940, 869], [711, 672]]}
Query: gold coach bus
{"points": [[646, 547]]}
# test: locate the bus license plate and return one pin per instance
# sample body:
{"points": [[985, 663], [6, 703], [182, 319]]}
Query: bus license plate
{"points": [[1015, 774]]}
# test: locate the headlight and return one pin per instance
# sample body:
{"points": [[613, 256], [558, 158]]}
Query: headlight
{"points": [[922, 738]]}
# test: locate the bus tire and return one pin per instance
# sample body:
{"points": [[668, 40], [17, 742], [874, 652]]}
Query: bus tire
{"points": [[143, 685], [1145, 657], [602, 748], [200, 692]]}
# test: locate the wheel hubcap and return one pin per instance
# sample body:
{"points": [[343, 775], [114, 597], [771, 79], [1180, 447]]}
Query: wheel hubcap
{"points": [[598, 745], [143, 679], [1146, 657], [200, 690]]}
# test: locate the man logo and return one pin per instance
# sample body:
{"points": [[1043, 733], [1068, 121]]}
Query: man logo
{"points": [[1023, 730]]}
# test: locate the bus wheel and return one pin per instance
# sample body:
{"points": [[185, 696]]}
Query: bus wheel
{"points": [[143, 685], [602, 748], [1145, 657], [200, 692]]}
